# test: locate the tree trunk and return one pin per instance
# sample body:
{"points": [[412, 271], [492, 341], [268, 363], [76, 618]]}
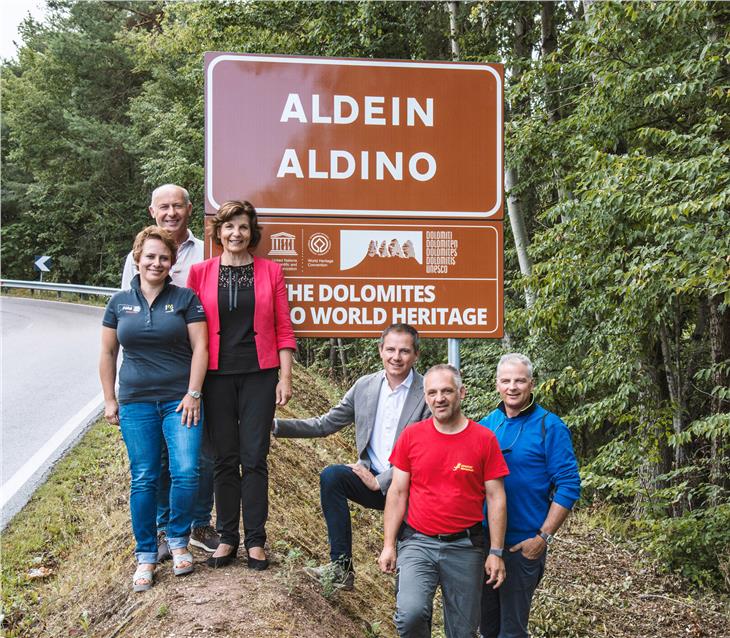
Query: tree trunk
{"points": [[519, 229], [343, 358], [652, 432], [587, 8], [333, 355], [454, 30], [719, 324], [669, 335], [548, 45], [515, 209], [674, 383]]}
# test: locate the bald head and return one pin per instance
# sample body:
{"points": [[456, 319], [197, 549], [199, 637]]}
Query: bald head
{"points": [[168, 188], [170, 207]]}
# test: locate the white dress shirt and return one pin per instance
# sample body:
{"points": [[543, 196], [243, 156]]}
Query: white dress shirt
{"points": [[390, 406], [188, 253]]}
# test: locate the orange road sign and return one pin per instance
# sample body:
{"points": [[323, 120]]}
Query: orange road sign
{"points": [[353, 278]]}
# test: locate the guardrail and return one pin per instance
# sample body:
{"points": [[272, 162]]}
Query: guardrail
{"points": [[56, 287]]}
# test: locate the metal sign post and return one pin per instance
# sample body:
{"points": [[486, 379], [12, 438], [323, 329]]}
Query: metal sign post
{"points": [[454, 354]]}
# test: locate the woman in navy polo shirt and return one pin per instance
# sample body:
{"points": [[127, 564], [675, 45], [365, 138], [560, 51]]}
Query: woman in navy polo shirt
{"points": [[165, 338]]}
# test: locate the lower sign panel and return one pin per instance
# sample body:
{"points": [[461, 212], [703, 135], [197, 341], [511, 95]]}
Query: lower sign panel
{"points": [[354, 279]]}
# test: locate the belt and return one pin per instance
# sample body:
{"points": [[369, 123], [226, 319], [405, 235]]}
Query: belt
{"points": [[474, 530]]}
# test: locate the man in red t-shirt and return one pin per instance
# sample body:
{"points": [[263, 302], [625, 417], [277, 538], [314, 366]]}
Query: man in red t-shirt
{"points": [[443, 468]]}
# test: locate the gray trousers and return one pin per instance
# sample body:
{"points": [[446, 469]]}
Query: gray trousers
{"points": [[506, 611], [424, 563]]}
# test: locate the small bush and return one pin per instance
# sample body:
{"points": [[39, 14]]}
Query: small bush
{"points": [[695, 545]]}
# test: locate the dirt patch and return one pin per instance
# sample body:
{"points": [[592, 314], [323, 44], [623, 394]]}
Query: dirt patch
{"points": [[233, 601]]}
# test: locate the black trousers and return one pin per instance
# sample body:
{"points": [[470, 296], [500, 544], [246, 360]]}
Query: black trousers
{"points": [[506, 611], [239, 409]]}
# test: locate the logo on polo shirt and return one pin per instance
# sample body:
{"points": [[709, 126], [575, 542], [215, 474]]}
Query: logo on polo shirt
{"points": [[463, 468], [128, 308], [169, 307]]}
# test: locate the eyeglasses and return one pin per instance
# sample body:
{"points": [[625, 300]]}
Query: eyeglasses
{"points": [[509, 448]]}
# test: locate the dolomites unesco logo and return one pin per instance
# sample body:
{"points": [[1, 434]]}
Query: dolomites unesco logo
{"points": [[358, 246], [402, 247]]}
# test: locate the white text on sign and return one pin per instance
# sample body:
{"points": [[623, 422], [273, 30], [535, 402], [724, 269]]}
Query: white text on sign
{"points": [[424, 310], [342, 164]]}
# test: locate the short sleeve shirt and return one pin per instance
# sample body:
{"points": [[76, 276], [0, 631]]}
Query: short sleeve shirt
{"points": [[448, 472], [157, 350]]}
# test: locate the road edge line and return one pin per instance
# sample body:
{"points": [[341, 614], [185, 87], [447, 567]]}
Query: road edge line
{"points": [[79, 420]]}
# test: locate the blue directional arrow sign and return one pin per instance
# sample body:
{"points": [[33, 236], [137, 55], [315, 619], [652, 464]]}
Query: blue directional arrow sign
{"points": [[42, 263]]}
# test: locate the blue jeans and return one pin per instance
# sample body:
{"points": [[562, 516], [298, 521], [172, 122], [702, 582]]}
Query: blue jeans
{"points": [[144, 427], [203, 503], [338, 484]]}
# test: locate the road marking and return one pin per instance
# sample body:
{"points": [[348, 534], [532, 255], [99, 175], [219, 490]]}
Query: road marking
{"points": [[89, 412]]}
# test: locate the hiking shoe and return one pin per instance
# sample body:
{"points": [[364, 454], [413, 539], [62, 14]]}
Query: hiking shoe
{"points": [[205, 538], [332, 574], [163, 549]]}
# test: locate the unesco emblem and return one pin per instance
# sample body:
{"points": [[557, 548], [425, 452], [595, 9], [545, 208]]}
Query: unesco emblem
{"points": [[319, 244]]}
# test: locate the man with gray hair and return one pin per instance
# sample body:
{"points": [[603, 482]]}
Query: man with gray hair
{"points": [[542, 486], [443, 469], [171, 208]]}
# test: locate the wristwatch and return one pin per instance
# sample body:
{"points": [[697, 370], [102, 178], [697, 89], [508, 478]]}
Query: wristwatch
{"points": [[196, 394], [548, 538], [496, 552]]}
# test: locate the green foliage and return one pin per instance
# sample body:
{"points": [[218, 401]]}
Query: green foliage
{"points": [[74, 190], [695, 545], [628, 192]]}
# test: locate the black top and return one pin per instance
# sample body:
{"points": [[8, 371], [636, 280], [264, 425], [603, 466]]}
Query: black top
{"points": [[236, 303], [157, 350]]}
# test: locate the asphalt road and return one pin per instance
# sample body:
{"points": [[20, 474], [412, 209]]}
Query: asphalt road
{"points": [[50, 353]]}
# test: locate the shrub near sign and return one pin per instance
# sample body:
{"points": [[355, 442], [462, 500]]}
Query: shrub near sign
{"points": [[321, 136]]}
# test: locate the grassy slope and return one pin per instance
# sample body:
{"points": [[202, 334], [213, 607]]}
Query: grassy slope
{"points": [[77, 527]]}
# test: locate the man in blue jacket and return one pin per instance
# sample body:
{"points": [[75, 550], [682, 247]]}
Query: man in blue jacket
{"points": [[542, 486]]}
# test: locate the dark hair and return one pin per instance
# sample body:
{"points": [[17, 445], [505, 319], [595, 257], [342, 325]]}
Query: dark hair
{"points": [[231, 209], [153, 232], [404, 328]]}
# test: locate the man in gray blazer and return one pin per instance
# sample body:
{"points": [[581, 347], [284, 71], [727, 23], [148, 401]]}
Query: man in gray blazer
{"points": [[380, 405]]}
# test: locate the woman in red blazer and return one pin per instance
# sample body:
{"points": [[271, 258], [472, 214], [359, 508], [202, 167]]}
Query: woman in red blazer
{"points": [[251, 344]]}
